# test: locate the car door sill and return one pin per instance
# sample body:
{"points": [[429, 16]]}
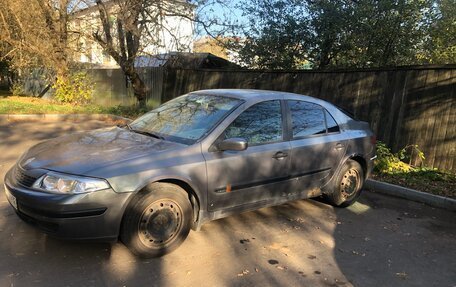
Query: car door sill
{"points": [[218, 214], [270, 181]]}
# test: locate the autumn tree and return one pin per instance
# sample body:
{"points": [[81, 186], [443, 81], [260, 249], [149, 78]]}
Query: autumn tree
{"points": [[36, 33], [49, 32], [130, 28]]}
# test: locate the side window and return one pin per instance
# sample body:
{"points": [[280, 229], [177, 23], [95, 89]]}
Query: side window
{"points": [[307, 119], [331, 123], [259, 124]]}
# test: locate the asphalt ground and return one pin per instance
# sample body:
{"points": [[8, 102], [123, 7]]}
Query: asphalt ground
{"points": [[379, 241]]}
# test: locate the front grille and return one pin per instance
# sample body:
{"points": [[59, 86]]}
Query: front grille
{"points": [[22, 178]]}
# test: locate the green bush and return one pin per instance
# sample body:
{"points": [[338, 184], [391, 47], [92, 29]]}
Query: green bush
{"points": [[76, 89], [389, 162]]}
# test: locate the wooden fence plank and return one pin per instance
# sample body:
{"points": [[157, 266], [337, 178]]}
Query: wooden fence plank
{"points": [[413, 109]]}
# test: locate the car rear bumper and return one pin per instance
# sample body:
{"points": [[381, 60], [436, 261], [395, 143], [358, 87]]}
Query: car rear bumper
{"points": [[370, 166], [90, 216]]}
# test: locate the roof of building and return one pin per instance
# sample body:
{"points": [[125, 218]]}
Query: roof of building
{"points": [[185, 60]]}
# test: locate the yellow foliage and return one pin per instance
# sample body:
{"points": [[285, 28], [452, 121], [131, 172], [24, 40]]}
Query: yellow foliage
{"points": [[76, 89], [388, 162]]}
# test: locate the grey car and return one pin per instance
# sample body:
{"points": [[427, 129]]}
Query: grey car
{"points": [[199, 157]]}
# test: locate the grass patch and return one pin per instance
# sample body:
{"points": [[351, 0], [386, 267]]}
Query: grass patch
{"points": [[430, 181], [31, 105]]}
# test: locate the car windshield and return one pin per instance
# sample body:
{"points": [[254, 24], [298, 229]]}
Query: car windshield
{"points": [[185, 119]]}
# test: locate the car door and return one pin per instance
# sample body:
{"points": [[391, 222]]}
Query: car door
{"points": [[255, 175], [316, 146]]}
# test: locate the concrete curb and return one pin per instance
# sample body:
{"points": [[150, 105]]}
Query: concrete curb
{"points": [[59, 117], [411, 194]]}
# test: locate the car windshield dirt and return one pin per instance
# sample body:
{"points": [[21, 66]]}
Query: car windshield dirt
{"points": [[185, 119]]}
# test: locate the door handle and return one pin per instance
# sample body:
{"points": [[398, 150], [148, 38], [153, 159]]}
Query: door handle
{"points": [[339, 146], [280, 155]]}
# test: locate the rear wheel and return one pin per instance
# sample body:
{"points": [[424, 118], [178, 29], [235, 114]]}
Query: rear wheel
{"points": [[347, 185], [157, 220]]}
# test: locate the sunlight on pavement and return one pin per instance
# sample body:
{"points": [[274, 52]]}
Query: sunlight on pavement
{"points": [[358, 208], [122, 264]]}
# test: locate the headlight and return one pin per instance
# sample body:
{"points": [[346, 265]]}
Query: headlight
{"points": [[69, 184]]}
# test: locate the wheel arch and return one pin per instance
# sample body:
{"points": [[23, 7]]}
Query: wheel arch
{"points": [[330, 191], [328, 187], [362, 162], [194, 195]]}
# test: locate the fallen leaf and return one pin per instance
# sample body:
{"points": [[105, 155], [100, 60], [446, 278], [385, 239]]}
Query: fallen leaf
{"points": [[402, 275], [242, 241], [244, 272]]}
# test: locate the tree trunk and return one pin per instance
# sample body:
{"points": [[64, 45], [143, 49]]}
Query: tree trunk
{"points": [[139, 88], [325, 54], [324, 60]]}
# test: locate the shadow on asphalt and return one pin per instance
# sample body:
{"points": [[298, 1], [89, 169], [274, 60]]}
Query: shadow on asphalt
{"points": [[377, 242]]}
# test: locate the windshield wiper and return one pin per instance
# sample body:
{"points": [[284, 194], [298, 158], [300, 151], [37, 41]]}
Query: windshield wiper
{"points": [[151, 134]]}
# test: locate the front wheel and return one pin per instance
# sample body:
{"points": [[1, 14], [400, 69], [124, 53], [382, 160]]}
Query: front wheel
{"points": [[157, 221], [347, 185]]}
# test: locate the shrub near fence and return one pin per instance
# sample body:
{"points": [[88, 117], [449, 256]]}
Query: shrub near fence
{"points": [[405, 105]]}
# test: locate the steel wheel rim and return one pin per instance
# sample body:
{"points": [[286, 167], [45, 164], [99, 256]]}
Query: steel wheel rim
{"points": [[350, 183], [160, 222]]}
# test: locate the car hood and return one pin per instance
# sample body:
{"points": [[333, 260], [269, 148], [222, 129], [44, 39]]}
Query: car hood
{"points": [[80, 153]]}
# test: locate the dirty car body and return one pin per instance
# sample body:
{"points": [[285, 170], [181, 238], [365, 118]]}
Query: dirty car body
{"points": [[229, 150]]}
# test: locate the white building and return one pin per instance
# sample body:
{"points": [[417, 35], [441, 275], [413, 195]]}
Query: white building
{"points": [[164, 33]]}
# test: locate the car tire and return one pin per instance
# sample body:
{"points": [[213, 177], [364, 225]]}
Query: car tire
{"points": [[157, 220], [347, 185]]}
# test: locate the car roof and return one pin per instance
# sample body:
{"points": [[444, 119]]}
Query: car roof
{"points": [[248, 94], [252, 95]]}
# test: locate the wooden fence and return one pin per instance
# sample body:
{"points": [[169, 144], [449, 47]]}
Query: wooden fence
{"points": [[112, 88], [409, 105]]}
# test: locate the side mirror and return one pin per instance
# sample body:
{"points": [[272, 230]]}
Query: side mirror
{"points": [[235, 144]]}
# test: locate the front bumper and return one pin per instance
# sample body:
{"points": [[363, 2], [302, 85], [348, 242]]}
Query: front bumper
{"points": [[89, 216]]}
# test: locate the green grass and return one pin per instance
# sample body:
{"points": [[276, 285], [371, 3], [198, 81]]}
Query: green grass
{"points": [[426, 180], [30, 105]]}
